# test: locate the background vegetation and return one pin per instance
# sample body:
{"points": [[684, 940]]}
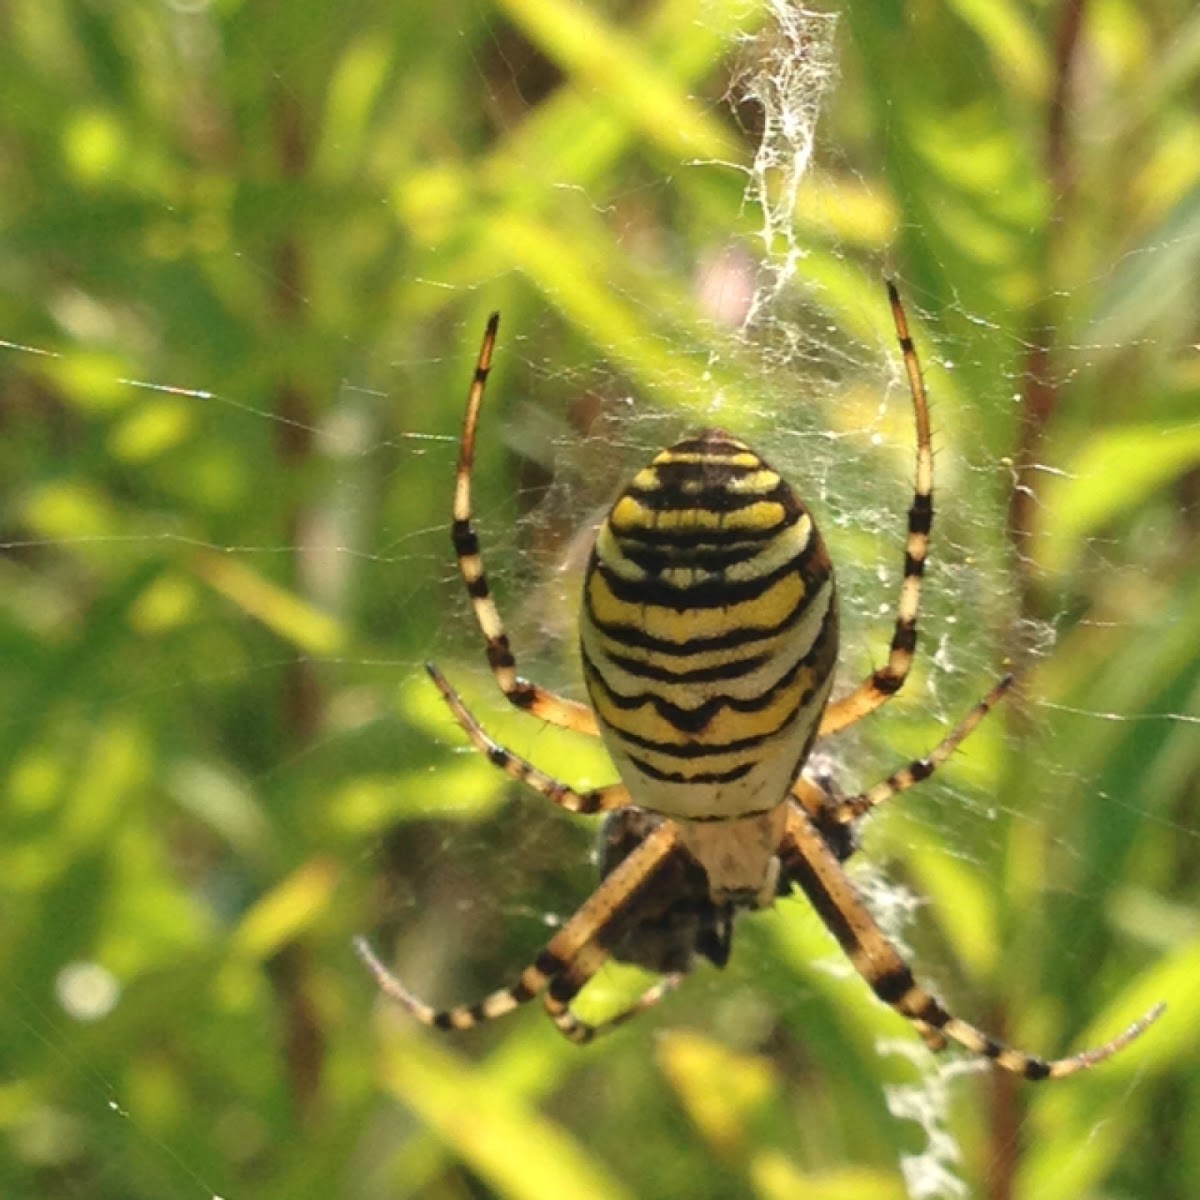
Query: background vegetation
{"points": [[248, 253]]}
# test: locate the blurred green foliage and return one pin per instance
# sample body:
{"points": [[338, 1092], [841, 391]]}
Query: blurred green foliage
{"points": [[248, 253]]}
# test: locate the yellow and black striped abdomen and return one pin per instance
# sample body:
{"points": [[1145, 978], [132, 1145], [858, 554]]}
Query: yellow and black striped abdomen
{"points": [[709, 631]]}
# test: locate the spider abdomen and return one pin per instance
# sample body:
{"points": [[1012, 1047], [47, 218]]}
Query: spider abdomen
{"points": [[708, 631]]}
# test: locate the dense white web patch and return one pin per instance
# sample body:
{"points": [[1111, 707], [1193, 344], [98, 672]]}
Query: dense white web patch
{"points": [[787, 72]]}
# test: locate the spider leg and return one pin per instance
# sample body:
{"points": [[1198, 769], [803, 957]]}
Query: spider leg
{"points": [[884, 683], [596, 800], [527, 696], [568, 960], [567, 986], [921, 768], [825, 811], [810, 862], [935, 1040]]}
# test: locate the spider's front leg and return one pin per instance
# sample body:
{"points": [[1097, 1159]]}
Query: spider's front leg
{"points": [[527, 696], [881, 685], [808, 860], [569, 959]]}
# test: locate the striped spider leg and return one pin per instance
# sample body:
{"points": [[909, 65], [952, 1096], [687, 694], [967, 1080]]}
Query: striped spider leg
{"points": [[527, 696], [602, 799], [879, 687], [835, 815]]}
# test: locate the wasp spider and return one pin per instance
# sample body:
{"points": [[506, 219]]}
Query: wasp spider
{"points": [[709, 636]]}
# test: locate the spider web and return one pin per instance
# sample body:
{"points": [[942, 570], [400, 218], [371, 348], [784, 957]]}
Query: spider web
{"points": [[796, 351]]}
